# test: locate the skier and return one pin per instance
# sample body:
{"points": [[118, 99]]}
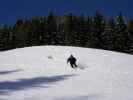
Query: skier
{"points": [[72, 61]]}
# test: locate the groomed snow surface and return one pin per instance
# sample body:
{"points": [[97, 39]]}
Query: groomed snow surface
{"points": [[41, 73]]}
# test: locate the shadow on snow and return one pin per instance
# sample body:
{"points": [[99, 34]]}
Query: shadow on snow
{"points": [[80, 97], [22, 84], [9, 72]]}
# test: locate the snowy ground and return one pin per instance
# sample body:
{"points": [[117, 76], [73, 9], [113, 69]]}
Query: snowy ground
{"points": [[41, 73]]}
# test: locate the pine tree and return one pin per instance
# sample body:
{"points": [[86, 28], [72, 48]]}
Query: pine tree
{"points": [[5, 38], [68, 29], [51, 29], [19, 35], [43, 30], [130, 31], [96, 28], [122, 41], [82, 33], [108, 35]]}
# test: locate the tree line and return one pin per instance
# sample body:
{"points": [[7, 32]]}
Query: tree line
{"points": [[96, 31]]}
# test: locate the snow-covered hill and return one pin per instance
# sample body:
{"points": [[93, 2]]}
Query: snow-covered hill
{"points": [[41, 73]]}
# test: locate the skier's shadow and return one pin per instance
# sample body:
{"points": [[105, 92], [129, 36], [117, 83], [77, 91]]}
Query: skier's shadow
{"points": [[22, 84]]}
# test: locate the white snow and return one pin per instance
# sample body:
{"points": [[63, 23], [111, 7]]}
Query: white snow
{"points": [[41, 73]]}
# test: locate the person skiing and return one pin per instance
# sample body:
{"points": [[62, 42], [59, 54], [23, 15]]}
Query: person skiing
{"points": [[72, 61]]}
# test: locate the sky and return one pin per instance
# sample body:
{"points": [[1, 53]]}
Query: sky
{"points": [[11, 10]]}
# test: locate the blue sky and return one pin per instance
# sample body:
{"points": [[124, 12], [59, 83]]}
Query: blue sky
{"points": [[11, 10]]}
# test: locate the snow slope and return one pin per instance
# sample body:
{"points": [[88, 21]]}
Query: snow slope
{"points": [[41, 73]]}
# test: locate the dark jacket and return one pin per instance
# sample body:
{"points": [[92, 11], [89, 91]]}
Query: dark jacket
{"points": [[71, 59]]}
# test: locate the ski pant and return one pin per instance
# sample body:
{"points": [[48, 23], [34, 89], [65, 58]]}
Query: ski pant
{"points": [[73, 65]]}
